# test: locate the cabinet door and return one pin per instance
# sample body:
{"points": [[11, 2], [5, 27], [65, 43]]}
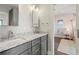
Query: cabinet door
{"points": [[36, 41], [37, 52], [16, 50], [36, 47], [44, 45]]}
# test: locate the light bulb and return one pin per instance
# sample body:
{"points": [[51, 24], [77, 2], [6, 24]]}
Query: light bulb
{"points": [[37, 9], [33, 7]]}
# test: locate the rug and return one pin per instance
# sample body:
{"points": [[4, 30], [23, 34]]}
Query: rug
{"points": [[67, 46]]}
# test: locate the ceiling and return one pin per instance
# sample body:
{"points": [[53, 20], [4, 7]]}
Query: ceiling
{"points": [[65, 8]]}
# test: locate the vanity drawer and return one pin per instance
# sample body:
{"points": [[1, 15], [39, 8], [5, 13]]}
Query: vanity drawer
{"points": [[26, 52], [43, 38], [34, 42], [44, 45], [17, 50], [36, 52], [36, 47]]}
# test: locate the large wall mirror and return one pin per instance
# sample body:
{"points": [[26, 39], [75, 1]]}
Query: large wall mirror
{"points": [[35, 18], [35, 15], [8, 14]]}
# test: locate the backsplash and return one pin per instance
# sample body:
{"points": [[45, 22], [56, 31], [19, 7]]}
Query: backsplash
{"points": [[3, 32]]}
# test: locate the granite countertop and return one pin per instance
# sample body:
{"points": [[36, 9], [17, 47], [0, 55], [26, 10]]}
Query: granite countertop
{"points": [[19, 39]]}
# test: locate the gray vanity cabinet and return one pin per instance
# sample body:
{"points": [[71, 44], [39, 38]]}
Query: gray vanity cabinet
{"points": [[26, 52], [38, 46], [44, 45]]}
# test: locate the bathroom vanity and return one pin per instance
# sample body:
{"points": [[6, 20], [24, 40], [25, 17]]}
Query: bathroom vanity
{"points": [[36, 44]]}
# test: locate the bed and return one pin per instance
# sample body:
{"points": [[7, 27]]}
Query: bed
{"points": [[63, 33]]}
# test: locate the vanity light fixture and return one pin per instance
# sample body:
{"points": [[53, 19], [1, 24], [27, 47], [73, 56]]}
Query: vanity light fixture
{"points": [[35, 8]]}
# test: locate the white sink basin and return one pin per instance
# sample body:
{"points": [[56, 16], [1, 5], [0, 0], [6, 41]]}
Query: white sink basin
{"points": [[11, 43]]}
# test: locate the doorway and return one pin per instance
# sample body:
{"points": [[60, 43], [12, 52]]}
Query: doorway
{"points": [[64, 36]]}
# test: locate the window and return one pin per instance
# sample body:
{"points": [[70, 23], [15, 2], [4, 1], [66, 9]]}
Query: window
{"points": [[1, 22], [60, 23]]}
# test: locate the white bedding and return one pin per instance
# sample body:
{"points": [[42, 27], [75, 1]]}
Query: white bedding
{"points": [[62, 33]]}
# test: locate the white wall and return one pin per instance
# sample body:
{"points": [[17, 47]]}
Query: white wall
{"points": [[46, 24], [51, 28], [65, 9], [44, 17], [25, 20]]}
